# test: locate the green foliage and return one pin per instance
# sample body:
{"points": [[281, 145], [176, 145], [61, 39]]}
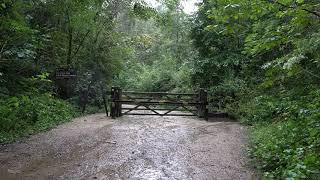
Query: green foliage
{"points": [[226, 95], [260, 61], [285, 136], [160, 51], [24, 115], [143, 11], [105, 43], [284, 139], [162, 76], [289, 148]]}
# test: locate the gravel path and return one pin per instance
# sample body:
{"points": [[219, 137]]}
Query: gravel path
{"points": [[131, 147]]}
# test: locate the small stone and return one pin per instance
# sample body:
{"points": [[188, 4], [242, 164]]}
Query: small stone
{"points": [[12, 171], [109, 142]]}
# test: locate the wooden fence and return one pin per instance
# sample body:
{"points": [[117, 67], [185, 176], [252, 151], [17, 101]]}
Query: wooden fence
{"points": [[158, 103]]}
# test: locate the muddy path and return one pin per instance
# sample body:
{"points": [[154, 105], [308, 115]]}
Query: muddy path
{"points": [[97, 147]]}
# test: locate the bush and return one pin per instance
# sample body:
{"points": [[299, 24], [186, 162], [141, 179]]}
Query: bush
{"points": [[288, 149], [25, 115], [285, 138], [163, 76], [225, 94]]}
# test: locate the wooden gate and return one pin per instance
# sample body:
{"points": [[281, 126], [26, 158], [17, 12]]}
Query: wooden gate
{"points": [[158, 103]]}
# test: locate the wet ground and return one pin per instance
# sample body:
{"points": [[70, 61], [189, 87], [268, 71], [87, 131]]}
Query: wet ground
{"points": [[131, 147]]}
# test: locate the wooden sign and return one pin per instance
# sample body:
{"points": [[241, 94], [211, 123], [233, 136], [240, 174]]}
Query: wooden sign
{"points": [[66, 74]]}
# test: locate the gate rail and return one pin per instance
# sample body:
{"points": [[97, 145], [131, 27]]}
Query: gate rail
{"points": [[191, 104]]}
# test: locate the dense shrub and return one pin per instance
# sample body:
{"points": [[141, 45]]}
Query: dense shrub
{"points": [[288, 149], [163, 76], [285, 138], [225, 94], [24, 115]]}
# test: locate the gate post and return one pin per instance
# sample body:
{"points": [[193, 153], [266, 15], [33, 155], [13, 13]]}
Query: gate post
{"points": [[200, 107], [116, 106], [205, 104], [203, 99], [105, 100], [119, 104], [113, 103]]}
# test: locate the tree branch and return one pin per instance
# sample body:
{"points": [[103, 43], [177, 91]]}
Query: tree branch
{"points": [[292, 7], [81, 42], [86, 35], [2, 49], [70, 38]]}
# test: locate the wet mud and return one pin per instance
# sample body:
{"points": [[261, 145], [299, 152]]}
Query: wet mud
{"points": [[131, 147]]}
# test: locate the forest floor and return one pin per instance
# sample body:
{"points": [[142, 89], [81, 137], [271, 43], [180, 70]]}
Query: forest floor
{"points": [[131, 147]]}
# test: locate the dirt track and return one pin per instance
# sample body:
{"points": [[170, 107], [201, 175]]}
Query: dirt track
{"points": [[96, 147]]}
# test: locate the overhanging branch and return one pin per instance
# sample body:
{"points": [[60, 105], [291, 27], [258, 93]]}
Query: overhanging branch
{"points": [[294, 7]]}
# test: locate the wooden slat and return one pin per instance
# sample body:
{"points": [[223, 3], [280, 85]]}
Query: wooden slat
{"points": [[150, 98], [144, 114], [152, 110], [191, 111], [158, 102], [159, 93], [131, 109], [128, 98], [158, 109], [173, 109]]}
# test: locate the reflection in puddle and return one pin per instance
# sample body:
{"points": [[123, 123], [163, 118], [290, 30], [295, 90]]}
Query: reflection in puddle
{"points": [[150, 174]]}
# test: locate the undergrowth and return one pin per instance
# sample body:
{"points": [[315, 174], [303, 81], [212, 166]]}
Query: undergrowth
{"points": [[25, 115], [285, 134]]}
